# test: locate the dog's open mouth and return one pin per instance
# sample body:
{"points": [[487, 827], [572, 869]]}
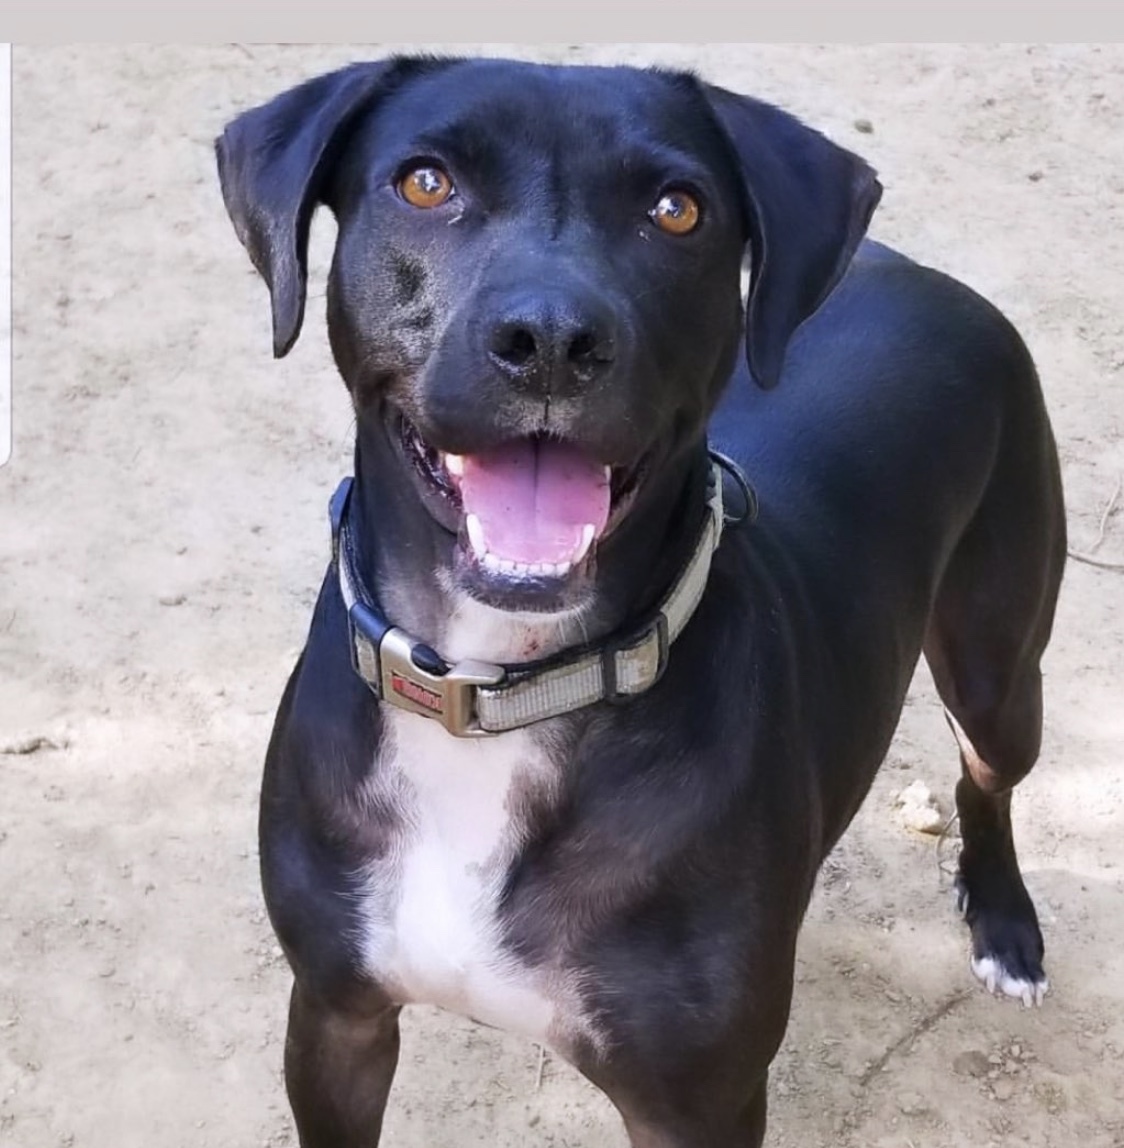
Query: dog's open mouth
{"points": [[531, 509]]}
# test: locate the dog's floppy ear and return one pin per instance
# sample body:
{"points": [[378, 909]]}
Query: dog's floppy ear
{"points": [[809, 203], [273, 161]]}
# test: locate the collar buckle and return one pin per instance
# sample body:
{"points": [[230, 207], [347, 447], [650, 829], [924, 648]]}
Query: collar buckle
{"points": [[449, 697]]}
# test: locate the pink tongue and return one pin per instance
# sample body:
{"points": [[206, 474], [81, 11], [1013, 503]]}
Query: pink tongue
{"points": [[534, 498]]}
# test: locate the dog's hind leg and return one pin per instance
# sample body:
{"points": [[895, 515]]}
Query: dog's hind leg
{"points": [[990, 625]]}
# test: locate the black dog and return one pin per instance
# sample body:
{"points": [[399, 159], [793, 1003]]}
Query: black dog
{"points": [[553, 757]]}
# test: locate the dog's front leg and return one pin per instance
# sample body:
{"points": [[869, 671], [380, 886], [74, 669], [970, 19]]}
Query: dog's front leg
{"points": [[338, 1069]]}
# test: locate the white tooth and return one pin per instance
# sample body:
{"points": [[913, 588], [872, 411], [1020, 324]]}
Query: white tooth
{"points": [[454, 464], [582, 549], [506, 566], [476, 536], [491, 562], [561, 569]]}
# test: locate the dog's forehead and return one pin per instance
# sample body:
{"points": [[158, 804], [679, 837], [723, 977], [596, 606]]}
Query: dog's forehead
{"points": [[548, 106]]}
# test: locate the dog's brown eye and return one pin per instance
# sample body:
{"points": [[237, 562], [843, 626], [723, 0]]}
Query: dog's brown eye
{"points": [[677, 212], [425, 186]]}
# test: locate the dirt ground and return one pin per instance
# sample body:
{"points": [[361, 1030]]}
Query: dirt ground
{"points": [[163, 533]]}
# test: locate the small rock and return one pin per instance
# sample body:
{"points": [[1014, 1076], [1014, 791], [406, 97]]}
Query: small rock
{"points": [[864, 126], [970, 1063], [1003, 1090], [919, 809], [911, 1104], [1035, 176], [172, 599]]}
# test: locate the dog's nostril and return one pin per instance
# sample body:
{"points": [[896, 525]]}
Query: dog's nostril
{"points": [[522, 346], [515, 345], [583, 348]]}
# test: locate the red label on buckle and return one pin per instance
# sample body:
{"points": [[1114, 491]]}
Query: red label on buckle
{"points": [[413, 692]]}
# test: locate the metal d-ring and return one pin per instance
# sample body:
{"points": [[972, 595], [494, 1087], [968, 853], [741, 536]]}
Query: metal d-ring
{"points": [[749, 495]]}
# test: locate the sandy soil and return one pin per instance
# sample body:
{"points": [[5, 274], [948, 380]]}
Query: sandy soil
{"points": [[164, 531]]}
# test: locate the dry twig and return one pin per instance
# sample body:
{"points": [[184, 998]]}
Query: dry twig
{"points": [[1087, 556]]}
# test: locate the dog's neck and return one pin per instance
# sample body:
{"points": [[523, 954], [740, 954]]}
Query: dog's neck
{"points": [[406, 559]]}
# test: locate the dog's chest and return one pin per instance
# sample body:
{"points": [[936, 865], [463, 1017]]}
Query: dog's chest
{"points": [[433, 931]]}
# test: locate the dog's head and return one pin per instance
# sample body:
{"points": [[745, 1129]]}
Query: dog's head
{"points": [[535, 296]]}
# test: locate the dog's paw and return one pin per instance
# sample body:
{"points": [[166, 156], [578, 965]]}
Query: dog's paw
{"points": [[1007, 948], [1001, 981]]}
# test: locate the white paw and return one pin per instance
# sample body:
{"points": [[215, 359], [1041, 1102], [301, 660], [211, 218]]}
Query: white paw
{"points": [[997, 980]]}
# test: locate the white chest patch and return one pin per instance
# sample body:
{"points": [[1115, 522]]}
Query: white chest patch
{"points": [[432, 932]]}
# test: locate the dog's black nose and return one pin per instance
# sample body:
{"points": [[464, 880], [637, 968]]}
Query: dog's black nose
{"points": [[551, 345]]}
